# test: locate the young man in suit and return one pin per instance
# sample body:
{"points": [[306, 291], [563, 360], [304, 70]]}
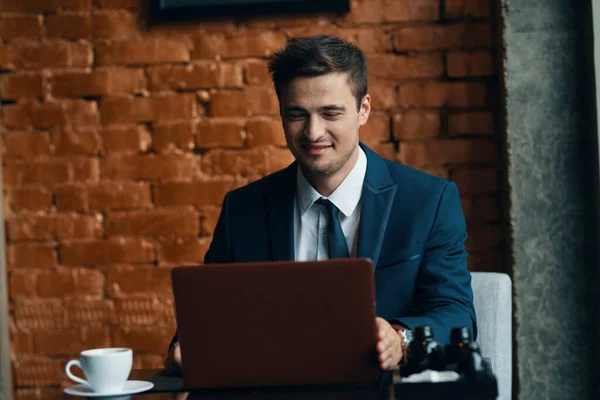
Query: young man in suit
{"points": [[340, 199]]}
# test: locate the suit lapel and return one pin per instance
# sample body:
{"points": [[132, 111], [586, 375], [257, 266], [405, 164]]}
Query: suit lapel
{"points": [[376, 203], [280, 212]]}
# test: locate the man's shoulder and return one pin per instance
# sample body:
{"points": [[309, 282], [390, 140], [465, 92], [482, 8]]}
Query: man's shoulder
{"points": [[405, 175]]}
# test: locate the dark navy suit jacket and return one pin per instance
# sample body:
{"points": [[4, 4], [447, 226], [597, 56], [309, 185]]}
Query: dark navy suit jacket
{"points": [[411, 226]]}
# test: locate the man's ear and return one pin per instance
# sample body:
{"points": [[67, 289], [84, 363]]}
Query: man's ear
{"points": [[365, 110]]}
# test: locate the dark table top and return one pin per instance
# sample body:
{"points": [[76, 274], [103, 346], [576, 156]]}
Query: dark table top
{"points": [[168, 387]]}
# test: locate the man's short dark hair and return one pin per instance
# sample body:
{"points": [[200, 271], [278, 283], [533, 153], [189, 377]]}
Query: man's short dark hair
{"points": [[319, 55]]}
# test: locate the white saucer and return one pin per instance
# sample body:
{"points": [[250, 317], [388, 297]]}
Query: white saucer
{"points": [[130, 387]]}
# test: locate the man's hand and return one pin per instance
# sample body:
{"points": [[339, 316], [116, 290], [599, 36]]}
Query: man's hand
{"points": [[389, 345], [173, 362]]}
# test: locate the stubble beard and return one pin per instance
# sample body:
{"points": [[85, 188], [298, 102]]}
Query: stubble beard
{"points": [[327, 168]]}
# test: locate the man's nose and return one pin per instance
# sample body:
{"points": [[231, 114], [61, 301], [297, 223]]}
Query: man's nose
{"points": [[314, 129]]}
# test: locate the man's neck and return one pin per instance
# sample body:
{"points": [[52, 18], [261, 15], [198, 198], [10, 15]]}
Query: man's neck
{"points": [[327, 184]]}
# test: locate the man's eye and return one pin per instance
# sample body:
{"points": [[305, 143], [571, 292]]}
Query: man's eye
{"points": [[332, 115], [295, 117]]}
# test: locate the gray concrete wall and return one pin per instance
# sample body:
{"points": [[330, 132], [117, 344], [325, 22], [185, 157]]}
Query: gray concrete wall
{"points": [[552, 175]]}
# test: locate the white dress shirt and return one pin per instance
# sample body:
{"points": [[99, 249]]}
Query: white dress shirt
{"points": [[310, 219]]}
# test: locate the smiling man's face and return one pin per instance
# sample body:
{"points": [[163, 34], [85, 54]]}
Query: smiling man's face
{"points": [[321, 121]]}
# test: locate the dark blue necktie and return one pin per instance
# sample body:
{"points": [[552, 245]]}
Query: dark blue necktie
{"points": [[335, 236]]}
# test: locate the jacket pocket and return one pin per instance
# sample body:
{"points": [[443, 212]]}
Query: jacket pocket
{"points": [[387, 263]]}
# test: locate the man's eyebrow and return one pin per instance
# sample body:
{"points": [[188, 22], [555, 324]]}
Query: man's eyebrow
{"points": [[294, 108], [332, 107], [329, 107]]}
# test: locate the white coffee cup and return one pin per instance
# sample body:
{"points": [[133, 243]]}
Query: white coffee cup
{"points": [[106, 369]]}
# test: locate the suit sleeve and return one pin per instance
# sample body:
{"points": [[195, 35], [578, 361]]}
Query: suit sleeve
{"points": [[220, 247], [443, 296]]}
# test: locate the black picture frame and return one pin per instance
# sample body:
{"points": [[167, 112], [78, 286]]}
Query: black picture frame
{"points": [[199, 9]]}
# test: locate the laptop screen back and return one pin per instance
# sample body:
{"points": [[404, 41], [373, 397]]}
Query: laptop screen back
{"points": [[276, 323]]}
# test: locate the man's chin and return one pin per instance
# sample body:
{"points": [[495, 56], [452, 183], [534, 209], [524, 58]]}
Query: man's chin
{"points": [[317, 169]]}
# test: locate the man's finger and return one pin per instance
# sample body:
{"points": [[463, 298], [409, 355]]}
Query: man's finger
{"points": [[176, 351], [389, 345], [387, 363], [390, 356], [385, 357], [173, 364], [384, 346]]}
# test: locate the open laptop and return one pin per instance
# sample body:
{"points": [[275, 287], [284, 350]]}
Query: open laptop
{"points": [[277, 323]]}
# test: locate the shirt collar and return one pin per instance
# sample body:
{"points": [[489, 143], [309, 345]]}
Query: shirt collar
{"points": [[345, 197]]}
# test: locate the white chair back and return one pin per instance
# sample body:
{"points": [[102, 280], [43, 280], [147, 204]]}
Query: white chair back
{"points": [[492, 298]]}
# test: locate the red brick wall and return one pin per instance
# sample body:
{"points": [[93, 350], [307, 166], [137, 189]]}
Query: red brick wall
{"points": [[120, 140]]}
